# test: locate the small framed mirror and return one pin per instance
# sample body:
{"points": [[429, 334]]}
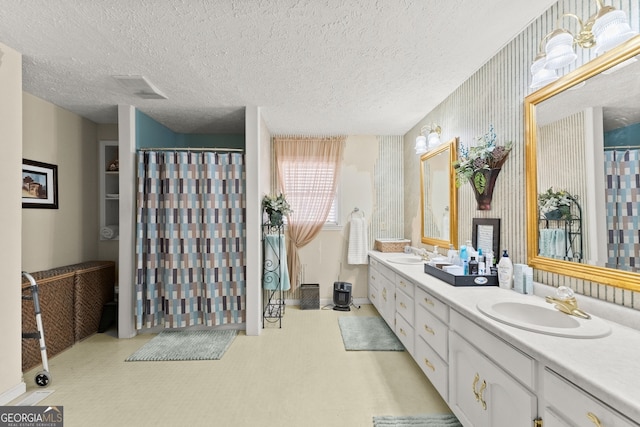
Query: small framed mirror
{"points": [[439, 196]]}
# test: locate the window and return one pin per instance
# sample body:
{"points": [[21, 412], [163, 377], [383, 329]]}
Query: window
{"points": [[301, 180]]}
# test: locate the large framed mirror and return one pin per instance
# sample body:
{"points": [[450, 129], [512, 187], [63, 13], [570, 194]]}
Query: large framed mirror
{"points": [[583, 141], [439, 196]]}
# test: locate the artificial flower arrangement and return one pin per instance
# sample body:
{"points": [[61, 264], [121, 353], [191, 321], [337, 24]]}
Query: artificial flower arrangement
{"points": [[485, 155], [276, 207], [555, 204]]}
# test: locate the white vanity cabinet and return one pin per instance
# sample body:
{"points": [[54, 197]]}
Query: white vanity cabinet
{"points": [[382, 279], [482, 392], [404, 307], [566, 405], [431, 339]]}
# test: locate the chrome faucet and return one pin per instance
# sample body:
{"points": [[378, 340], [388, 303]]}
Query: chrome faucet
{"points": [[566, 302]]}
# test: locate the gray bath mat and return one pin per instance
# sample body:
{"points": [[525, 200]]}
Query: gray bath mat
{"points": [[434, 420], [368, 333], [185, 345]]}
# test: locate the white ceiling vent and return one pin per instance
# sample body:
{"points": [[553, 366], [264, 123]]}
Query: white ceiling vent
{"points": [[140, 86]]}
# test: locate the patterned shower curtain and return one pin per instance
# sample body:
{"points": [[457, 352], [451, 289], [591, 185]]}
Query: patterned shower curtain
{"points": [[622, 170], [190, 239]]}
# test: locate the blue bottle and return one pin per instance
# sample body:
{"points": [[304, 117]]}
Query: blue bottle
{"points": [[464, 258]]}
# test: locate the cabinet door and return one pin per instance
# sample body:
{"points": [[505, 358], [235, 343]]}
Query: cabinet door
{"points": [[388, 303], [482, 394]]}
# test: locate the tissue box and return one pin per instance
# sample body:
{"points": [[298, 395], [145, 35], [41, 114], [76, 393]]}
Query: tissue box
{"points": [[460, 280], [391, 245]]}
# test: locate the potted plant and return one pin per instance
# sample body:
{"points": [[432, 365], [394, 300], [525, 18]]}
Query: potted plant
{"points": [[480, 165], [276, 207], [555, 204]]}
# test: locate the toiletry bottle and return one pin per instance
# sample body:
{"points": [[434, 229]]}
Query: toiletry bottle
{"points": [[473, 266], [480, 256], [451, 254], [488, 259], [505, 271], [482, 268], [464, 259]]}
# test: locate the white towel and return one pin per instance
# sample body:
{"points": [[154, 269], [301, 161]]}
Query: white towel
{"points": [[109, 232], [358, 242]]}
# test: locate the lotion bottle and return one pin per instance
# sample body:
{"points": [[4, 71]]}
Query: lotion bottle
{"points": [[505, 271]]}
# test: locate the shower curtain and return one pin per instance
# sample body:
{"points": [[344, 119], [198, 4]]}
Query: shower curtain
{"points": [[190, 239], [622, 170]]}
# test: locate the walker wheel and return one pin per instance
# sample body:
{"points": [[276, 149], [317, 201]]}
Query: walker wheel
{"points": [[43, 378]]}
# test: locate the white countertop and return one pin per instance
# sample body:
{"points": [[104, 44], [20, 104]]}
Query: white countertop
{"points": [[608, 367]]}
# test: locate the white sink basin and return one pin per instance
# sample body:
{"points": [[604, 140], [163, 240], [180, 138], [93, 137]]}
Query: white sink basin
{"points": [[538, 316], [407, 259]]}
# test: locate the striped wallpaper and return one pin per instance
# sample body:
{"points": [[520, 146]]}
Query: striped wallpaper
{"points": [[494, 95]]}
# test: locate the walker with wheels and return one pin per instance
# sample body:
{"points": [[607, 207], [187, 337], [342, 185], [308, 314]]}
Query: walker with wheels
{"points": [[42, 378]]}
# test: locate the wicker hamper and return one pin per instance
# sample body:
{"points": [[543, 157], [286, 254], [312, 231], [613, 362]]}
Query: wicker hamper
{"points": [[391, 245], [310, 296], [94, 287], [71, 301]]}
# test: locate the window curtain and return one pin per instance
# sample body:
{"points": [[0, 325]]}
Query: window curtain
{"points": [[308, 171], [190, 239], [623, 201]]}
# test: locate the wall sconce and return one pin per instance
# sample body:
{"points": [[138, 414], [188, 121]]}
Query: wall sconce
{"points": [[430, 141], [604, 30]]}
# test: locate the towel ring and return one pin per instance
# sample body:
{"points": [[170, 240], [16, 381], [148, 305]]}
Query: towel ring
{"points": [[356, 210]]}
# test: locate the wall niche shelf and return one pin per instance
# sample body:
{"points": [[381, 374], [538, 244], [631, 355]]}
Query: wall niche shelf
{"points": [[109, 191]]}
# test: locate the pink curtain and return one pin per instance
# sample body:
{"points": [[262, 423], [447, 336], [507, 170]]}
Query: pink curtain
{"points": [[308, 170]]}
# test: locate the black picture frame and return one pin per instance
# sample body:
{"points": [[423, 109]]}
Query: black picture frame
{"points": [[485, 231], [39, 185]]}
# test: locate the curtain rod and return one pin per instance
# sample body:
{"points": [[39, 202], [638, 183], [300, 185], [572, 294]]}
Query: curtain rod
{"points": [[621, 147], [234, 150]]}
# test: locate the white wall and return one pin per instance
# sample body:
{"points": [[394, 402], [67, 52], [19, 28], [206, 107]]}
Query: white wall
{"points": [[11, 385], [68, 235]]}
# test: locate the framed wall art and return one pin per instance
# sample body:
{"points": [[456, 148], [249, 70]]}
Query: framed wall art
{"points": [[39, 185]]}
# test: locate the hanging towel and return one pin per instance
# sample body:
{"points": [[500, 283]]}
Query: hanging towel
{"points": [[547, 242], [275, 274], [358, 242]]}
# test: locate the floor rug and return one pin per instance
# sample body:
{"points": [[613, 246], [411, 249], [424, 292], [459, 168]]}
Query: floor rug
{"points": [[368, 333], [435, 420], [185, 345]]}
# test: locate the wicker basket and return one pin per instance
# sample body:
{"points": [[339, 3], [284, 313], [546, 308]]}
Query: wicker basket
{"points": [[310, 296], [391, 245]]}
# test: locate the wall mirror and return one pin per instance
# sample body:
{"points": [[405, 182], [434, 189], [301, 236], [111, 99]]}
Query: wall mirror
{"points": [[583, 136], [439, 196]]}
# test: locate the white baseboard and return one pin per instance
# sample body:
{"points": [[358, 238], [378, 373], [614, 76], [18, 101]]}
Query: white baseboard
{"points": [[329, 302], [13, 393]]}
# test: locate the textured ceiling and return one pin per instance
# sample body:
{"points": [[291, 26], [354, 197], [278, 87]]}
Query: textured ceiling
{"points": [[314, 66]]}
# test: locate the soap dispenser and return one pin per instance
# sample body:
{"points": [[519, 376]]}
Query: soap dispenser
{"points": [[505, 271]]}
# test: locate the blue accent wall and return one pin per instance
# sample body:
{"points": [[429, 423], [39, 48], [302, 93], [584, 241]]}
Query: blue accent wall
{"points": [[151, 134], [622, 137]]}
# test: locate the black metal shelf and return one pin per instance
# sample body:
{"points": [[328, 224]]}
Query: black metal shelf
{"points": [[274, 298], [572, 226]]}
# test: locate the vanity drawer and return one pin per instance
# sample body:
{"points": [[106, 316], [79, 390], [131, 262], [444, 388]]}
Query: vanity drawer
{"points": [[576, 407], [404, 305], [433, 331], [404, 331], [434, 305], [433, 367], [512, 360], [404, 285]]}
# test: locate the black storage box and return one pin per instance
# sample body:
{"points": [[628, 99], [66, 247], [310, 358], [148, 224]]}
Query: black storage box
{"points": [[310, 296], [452, 279]]}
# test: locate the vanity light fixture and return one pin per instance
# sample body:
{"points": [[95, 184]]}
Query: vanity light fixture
{"points": [[430, 141], [604, 30]]}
